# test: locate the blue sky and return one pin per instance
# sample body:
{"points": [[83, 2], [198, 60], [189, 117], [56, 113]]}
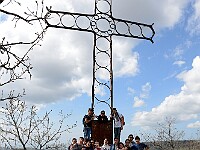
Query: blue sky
{"points": [[162, 78]]}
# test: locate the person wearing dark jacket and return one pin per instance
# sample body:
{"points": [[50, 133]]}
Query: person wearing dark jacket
{"points": [[102, 118], [87, 122]]}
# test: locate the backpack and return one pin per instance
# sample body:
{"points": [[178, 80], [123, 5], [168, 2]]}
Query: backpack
{"points": [[124, 119], [121, 119]]}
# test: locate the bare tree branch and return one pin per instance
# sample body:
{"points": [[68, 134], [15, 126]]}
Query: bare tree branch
{"points": [[167, 137], [22, 125], [1, 1], [12, 62]]}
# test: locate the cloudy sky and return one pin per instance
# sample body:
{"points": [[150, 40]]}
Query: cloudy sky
{"points": [[151, 81]]}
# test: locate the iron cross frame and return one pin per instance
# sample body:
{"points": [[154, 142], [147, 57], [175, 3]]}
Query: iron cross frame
{"points": [[103, 26]]}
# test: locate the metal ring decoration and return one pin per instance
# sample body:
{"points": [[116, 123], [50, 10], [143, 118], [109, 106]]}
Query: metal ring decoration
{"points": [[137, 28], [99, 64], [79, 25], [103, 25], [103, 43], [71, 18], [103, 6]]}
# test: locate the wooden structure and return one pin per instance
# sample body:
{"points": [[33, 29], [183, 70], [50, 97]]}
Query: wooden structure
{"points": [[100, 131]]}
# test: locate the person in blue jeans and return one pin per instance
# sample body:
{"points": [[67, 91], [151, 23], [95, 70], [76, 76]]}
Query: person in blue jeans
{"points": [[87, 122], [118, 123]]}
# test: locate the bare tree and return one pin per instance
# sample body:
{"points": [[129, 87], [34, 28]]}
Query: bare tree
{"points": [[193, 143], [22, 127], [12, 65], [167, 137]]}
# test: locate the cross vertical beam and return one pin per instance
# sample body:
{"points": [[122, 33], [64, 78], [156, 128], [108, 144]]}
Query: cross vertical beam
{"points": [[102, 9], [103, 26]]}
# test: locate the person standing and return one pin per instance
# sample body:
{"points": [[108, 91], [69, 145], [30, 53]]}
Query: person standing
{"points": [[102, 118], [118, 123], [87, 122], [140, 146]]}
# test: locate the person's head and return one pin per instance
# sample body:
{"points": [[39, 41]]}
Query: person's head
{"points": [[130, 137], [88, 143], [116, 140], [85, 141], [74, 140], [92, 142], [127, 142], [96, 144], [137, 139], [121, 145], [114, 110], [105, 141], [90, 111], [102, 113], [81, 140]]}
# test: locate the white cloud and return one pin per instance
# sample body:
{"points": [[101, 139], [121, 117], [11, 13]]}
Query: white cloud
{"points": [[131, 91], [149, 12], [179, 63], [194, 125], [178, 52], [193, 24], [176, 105], [144, 94], [62, 66], [125, 62], [171, 76], [145, 90], [138, 102]]}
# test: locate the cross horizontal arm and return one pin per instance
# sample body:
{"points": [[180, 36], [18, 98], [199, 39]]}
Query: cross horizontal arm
{"points": [[69, 20], [133, 29]]}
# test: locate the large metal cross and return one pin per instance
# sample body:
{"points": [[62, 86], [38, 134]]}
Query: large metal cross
{"points": [[103, 26]]}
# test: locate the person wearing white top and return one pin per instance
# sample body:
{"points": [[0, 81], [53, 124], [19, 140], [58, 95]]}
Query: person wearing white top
{"points": [[118, 123], [105, 145]]}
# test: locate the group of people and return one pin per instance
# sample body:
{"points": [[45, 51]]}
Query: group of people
{"points": [[86, 143], [129, 144], [102, 118]]}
